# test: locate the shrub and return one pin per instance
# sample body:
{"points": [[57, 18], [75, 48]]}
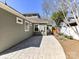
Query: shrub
{"points": [[68, 37]]}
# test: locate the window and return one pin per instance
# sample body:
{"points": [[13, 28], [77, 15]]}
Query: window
{"points": [[26, 26], [36, 28], [19, 20]]}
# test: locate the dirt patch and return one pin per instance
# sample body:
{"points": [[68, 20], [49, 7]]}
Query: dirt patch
{"points": [[71, 48]]}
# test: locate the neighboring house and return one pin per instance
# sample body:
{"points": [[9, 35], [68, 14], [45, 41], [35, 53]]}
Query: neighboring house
{"points": [[68, 30], [72, 21], [39, 24], [50, 26]]}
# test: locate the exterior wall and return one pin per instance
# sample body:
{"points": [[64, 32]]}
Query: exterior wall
{"points": [[42, 29], [10, 32], [69, 31]]}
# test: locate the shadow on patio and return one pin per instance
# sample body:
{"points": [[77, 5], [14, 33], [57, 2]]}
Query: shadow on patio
{"points": [[34, 41]]}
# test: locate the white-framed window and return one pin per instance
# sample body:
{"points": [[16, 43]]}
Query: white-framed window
{"points": [[26, 26], [19, 20]]}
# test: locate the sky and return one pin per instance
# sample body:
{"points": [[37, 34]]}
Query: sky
{"points": [[26, 6]]}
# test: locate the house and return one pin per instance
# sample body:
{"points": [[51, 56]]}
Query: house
{"points": [[15, 27], [66, 30], [39, 24], [72, 21]]}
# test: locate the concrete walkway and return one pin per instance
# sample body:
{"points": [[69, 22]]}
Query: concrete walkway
{"points": [[37, 47]]}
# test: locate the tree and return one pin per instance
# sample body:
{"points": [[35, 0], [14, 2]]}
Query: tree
{"points": [[53, 6], [46, 7], [69, 6], [49, 6], [58, 17]]}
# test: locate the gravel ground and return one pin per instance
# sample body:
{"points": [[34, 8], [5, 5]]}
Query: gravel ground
{"points": [[71, 48]]}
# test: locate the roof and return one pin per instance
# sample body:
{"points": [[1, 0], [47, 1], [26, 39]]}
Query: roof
{"points": [[37, 20], [11, 10], [70, 17], [70, 20], [31, 14], [52, 22]]}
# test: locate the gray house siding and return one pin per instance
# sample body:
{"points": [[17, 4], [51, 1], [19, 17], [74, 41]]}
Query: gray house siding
{"points": [[10, 32]]}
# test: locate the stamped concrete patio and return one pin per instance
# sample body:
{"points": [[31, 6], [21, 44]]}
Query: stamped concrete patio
{"points": [[36, 47]]}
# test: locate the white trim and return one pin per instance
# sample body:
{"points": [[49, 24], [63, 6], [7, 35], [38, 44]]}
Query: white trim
{"points": [[30, 24], [26, 28], [19, 20]]}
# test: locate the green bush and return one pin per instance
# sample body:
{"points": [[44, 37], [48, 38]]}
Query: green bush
{"points": [[68, 37], [61, 34]]}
